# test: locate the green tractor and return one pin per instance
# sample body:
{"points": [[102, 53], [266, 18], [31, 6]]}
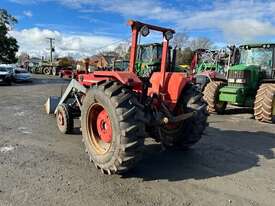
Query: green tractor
{"points": [[149, 59], [251, 83]]}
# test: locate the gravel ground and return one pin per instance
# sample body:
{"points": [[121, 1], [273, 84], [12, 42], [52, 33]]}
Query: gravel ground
{"points": [[232, 165]]}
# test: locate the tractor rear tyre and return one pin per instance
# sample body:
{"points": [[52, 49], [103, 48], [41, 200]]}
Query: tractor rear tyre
{"points": [[112, 132], [211, 96], [65, 121], [188, 132], [264, 105]]}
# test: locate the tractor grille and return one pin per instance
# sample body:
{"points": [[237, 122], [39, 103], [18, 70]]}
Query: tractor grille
{"points": [[237, 75]]}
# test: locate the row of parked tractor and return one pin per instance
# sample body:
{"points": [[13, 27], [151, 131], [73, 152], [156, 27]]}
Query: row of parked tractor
{"points": [[155, 98], [48, 68]]}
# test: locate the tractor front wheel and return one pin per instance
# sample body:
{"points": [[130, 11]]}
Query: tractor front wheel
{"points": [[112, 133], [211, 96], [64, 120], [264, 105], [184, 134]]}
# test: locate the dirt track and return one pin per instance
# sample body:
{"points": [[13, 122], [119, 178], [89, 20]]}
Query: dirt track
{"points": [[233, 164]]}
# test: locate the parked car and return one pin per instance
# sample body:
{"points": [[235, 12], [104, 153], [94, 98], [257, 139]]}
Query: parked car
{"points": [[21, 75], [6, 74]]}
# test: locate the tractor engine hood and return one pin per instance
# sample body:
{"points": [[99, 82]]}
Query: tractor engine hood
{"points": [[243, 67]]}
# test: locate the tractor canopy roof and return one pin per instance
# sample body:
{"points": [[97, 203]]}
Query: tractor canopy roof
{"points": [[258, 45], [152, 45]]}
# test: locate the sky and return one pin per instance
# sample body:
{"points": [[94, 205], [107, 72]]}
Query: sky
{"points": [[84, 27]]}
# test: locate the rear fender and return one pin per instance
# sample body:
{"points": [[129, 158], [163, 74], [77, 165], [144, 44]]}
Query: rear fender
{"points": [[126, 78], [174, 83]]}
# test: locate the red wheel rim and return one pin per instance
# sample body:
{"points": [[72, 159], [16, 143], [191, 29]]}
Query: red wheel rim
{"points": [[99, 128], [60, 118], [104, 127]]}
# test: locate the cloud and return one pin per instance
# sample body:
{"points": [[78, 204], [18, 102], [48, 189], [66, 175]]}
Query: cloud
{"points": [[27, 13], [236, 20], [34, 41], [232, 20]]}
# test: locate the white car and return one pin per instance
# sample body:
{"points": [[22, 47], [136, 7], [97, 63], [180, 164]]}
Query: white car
{"points": [[6, 75], [21, 75]]}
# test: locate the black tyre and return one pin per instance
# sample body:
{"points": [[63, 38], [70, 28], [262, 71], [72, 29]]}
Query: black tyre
{"points": [[264, 105], [188, 132], [64, 119], [211, 96], [112, 134], [47, 70], [9, 82], [37, 70]]}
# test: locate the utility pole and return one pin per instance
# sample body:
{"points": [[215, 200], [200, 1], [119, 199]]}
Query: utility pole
{"points": [[51, 48]]}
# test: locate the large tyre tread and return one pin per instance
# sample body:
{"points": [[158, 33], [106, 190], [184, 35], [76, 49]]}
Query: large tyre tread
{"points": [[263, 104], [132, 132], [192, 128], [69, 125], [210, 95]]}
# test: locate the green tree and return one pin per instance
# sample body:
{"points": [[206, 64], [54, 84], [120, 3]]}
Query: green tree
{"points": [[8, 44], [66, 62]]}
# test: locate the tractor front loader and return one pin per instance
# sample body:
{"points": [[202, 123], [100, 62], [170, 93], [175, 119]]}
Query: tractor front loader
{"points": [[209, 65], [119, 109], [251, 83]]}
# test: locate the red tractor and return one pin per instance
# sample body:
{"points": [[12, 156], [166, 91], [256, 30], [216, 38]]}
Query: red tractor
{"points": [[71, 74], [119, 109]]}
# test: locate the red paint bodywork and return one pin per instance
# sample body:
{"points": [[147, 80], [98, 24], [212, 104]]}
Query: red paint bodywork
{"points": [[66, 73], [70, 73], [174, 82], [167, 86]]}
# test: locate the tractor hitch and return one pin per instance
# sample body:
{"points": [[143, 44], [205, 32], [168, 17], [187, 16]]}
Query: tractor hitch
{"points": [[179, 118], [170, 118]]}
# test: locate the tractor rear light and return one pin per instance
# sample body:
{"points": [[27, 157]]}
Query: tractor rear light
{"points": [[168, 35], [240, 81], [231, 80], [145, 31]]}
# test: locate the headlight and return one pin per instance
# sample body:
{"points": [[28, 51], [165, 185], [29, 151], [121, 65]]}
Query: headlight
{"points": [[168, 35], [145, 31], [240, 81], [231, 80]]}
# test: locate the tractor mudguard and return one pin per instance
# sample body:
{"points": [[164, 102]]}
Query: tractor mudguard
{"points": [[126, 78], [173, 85]]}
